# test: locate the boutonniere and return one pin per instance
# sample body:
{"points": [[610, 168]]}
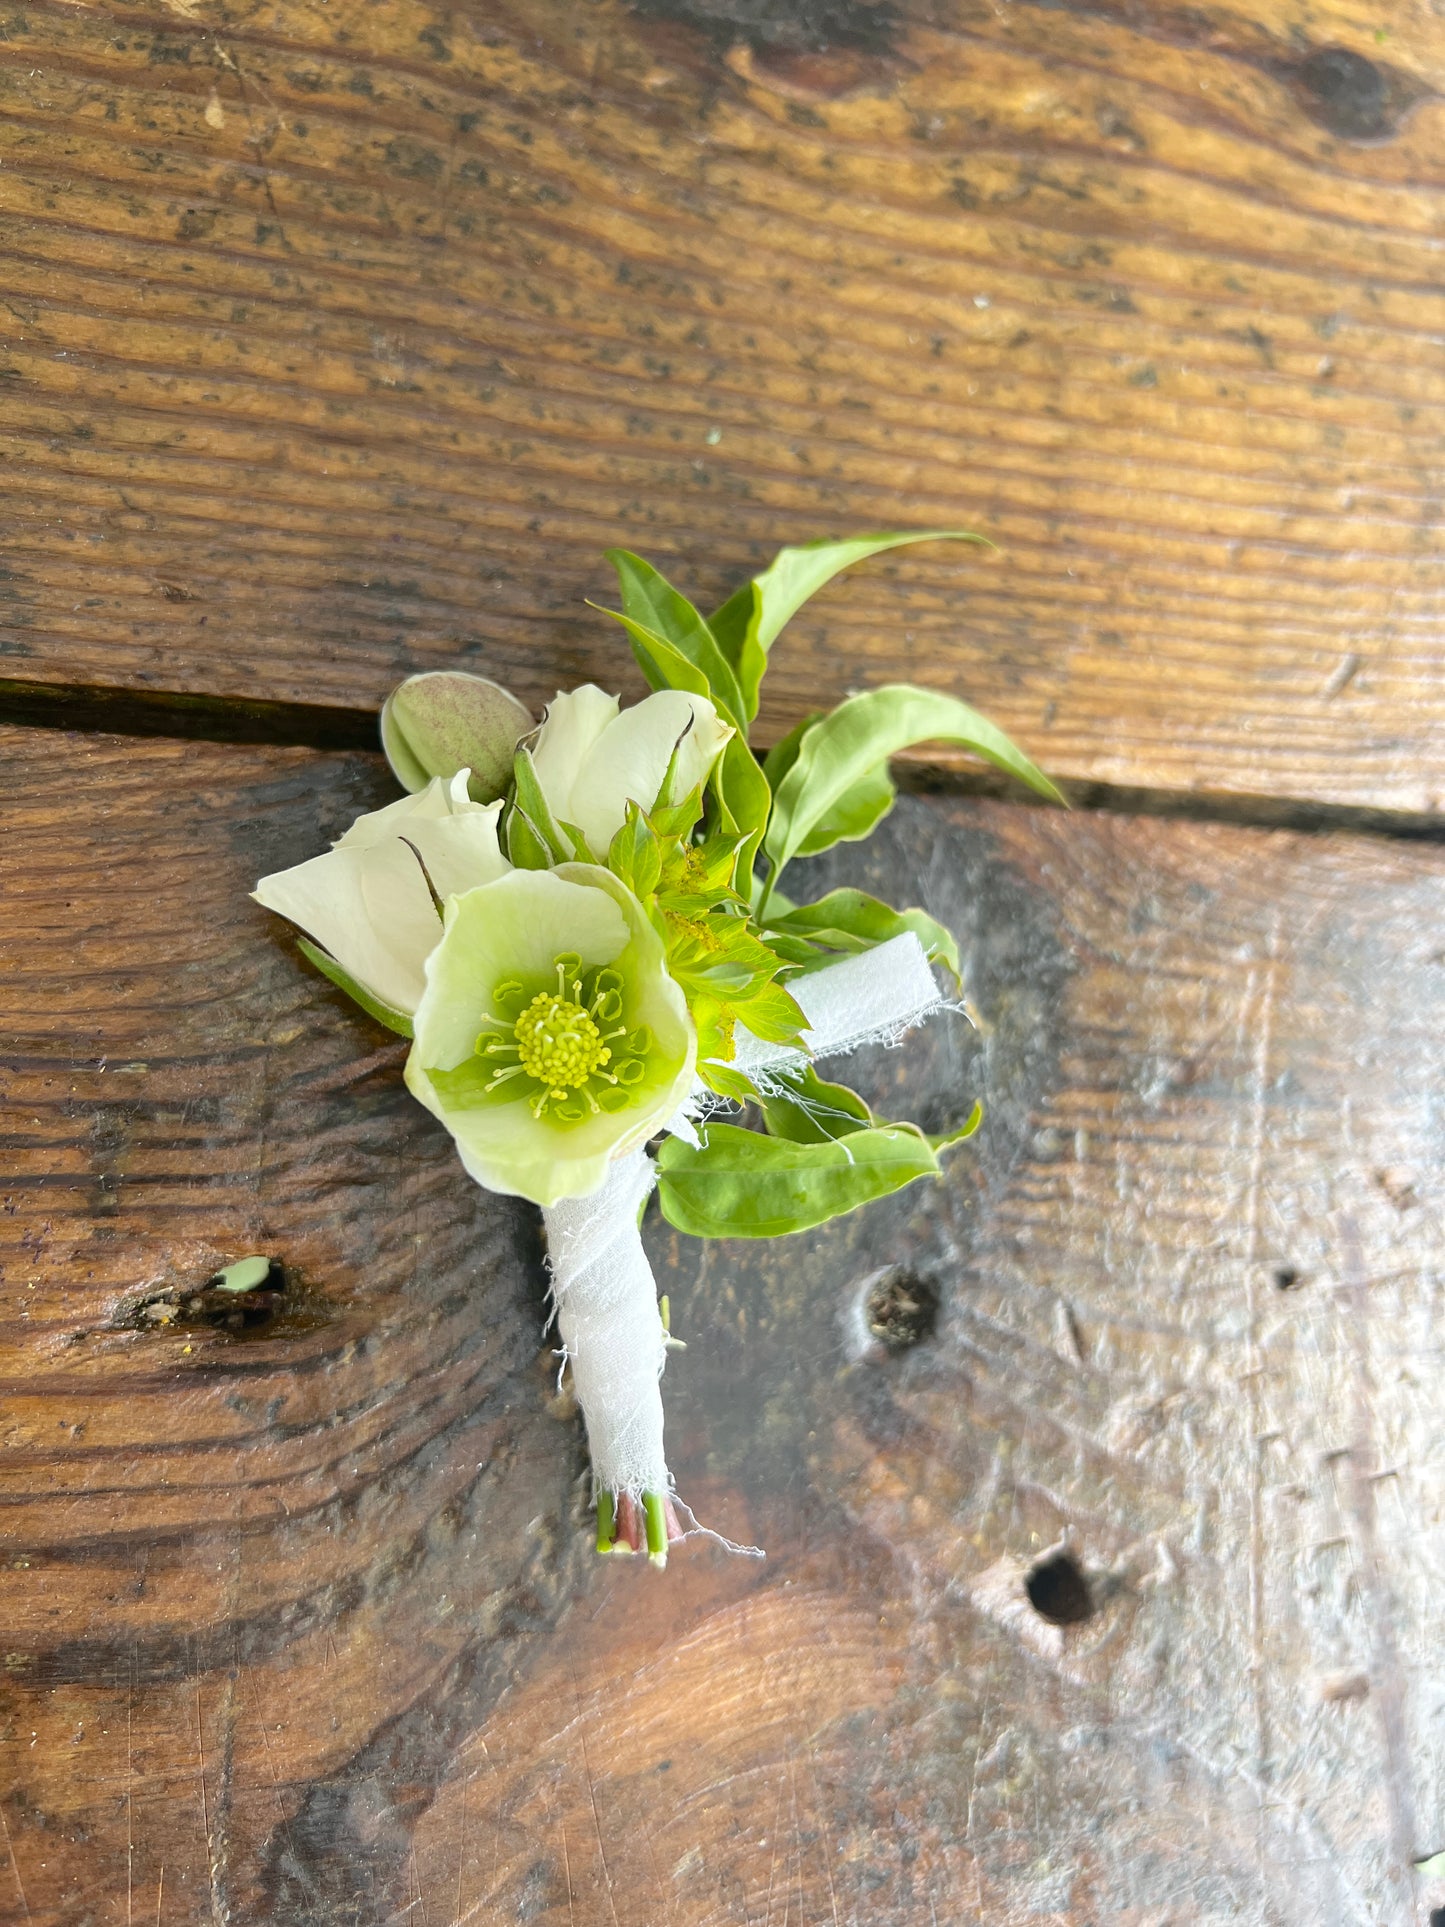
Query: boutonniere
{"points": [[581, 926]]}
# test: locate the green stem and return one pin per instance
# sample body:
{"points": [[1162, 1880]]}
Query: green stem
{"points": [[606, 1522], [656, 1528]]}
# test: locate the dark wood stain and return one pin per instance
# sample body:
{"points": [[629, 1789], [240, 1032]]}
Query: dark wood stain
{"points": [[786, 26], [340, 1577], [1350, 95]]}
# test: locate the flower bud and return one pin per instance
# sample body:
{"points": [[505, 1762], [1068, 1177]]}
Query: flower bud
{"points": [[445, 720]]}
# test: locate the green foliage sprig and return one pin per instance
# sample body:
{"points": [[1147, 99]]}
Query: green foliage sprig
{"points": [[707, 870]]}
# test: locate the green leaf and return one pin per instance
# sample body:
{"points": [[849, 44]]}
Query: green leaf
{"points": [[782, 756], [772, 1013], [807, 1110], [863, 732], [635, 856], [722, 956], [698, 877], [965, 1130], [849, 920], [525, 848], [744, 797], [725, 1080], [730, 627], [676, 819], [531, 805], [741, 1184], [661, 662], [856, 814], [650, 599], [387, 1014], [748, 623]]}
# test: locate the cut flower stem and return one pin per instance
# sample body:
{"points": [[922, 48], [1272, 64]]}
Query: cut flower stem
{"points": [[627, 1524]]}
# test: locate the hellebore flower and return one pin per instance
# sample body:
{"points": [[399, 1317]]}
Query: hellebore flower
{"points": [[593, 758], [445, 720], [551, 1039], [371, 899]]}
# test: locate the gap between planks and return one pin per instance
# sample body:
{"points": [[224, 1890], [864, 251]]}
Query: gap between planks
{"points": [[291, 725]]}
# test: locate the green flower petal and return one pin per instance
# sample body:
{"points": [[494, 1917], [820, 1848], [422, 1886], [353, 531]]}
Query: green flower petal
{"points": [[510, 933]]}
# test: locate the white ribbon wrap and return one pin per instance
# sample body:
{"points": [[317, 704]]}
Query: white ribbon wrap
{"points": [[605, 1293], [610, 1326]]}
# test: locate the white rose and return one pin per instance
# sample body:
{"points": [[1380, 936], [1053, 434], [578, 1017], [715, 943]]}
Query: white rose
{"points": [[593, 758], [367, 900]]}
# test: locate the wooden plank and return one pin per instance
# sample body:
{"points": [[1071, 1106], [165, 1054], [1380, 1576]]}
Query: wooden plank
{"points": [[300, 1623], [337, 337]]}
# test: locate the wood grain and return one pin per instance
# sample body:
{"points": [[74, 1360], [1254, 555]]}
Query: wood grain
{"points": [[299, 1623], [338, 339]]}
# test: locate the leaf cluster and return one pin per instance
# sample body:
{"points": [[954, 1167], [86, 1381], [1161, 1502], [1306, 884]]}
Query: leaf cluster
{"points": [[707, 868]]}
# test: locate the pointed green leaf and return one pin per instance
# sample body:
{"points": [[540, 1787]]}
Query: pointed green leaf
{"points": [[635, 856], [857, 812], [530, 803], [525, 848], [730, 627], [849, 920], [748, 623], [855, 815], [863, 732], [805, 1109], [970, 1124], [782, 756], [744, 797], [650, 599], [386, 1014], [725, 1080], [661, 662], [741, 1184], [771, 1013]]}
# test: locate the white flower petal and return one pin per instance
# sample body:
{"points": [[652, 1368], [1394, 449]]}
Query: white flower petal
{"points": [[700, 748], [433, 802], [570, 728], [460, 851], [629, 760], [370, 908]]}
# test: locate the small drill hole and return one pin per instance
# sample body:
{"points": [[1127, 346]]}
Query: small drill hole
{"points": [[1059, 1592], [1287, 1277], [901, 1310], [1437, 1917]]}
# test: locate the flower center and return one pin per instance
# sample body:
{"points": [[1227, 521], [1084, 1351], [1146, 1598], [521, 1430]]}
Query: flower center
{"points": [[558, 1043], [570, 1066]]}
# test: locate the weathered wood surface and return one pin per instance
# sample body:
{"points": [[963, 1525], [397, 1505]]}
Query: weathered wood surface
{"points": [[335, 335], [300, 1624]]}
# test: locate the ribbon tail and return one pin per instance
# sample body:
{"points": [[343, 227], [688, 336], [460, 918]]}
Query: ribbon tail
{"points": [[866, 999]]}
